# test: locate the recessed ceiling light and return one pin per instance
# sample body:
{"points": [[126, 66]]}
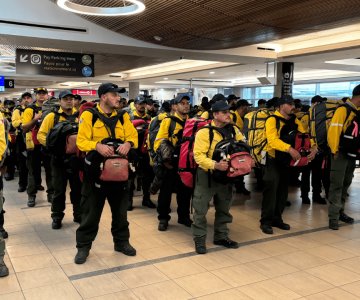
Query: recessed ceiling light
{"points": [[212, 72], [166, 78], [135, 7], [158, 38]]}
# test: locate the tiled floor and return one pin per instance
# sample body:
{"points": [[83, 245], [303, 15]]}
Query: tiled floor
{"points": [[309, 262]]}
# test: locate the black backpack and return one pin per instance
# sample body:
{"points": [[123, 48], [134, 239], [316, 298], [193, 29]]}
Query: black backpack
{"points": [[56, 138], [350, 139], [287, 135]]}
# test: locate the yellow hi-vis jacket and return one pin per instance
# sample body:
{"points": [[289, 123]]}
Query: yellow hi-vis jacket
{"points": [[3, 144], [338, 125], [27, 116], [48, 124], [237, 120], [89, 135], [203, 151], [273, 135]]}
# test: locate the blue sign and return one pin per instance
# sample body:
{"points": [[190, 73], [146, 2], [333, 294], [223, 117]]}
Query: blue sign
{"points": [[2, 84]]}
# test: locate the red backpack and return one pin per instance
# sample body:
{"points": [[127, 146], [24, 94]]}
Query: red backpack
{"points": [[303, 145], [142, 127], [187, 164]]}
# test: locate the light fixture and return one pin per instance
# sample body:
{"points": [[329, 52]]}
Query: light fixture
{"points": [[135, 7], [158, 38], [166, 78], [212, 72]]}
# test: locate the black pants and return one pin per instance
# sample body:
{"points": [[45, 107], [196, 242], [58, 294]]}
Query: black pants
{"points": [[91, 206], [21, 160], [145, 172], [316, 174], [170, 183], [34, 159], [61, 174], [275, 194]]}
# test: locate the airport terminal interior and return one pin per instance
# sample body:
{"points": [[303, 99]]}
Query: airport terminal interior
{"points": [[164, 50]]}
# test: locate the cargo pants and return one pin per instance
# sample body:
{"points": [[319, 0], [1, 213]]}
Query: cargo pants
{"points": [[205, 190], [341, 175]]}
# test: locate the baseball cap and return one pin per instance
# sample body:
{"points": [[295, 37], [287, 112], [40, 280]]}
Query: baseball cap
{"points": [[317, 99], [356, 91], [220, 106], [285, 100], [65, 93], [26, 94], [242, 102], [180, 97], [77, 97], [261, 102], [40, 89], [218, 97], [109, 88], [232, 97], [140, 100]]}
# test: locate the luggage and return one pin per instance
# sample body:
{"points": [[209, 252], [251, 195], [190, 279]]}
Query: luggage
{"points": [[350, 139], [114, 169]]}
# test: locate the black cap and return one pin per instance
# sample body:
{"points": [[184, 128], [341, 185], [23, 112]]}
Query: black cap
{"points": [[285, 100], [180, 97], [140, 100], [232, 97], [272, 102], [220, 106], [317, 99], [204, 100], [26, 94], [218, 97], [40, 89], [166, 106], [242, 102], [261, 102], [77, 97], [356, 91], [109, 87], [65, 93], [9, 102]]}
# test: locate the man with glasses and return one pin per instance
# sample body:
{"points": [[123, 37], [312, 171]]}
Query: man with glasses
{"points": [[206, 188], [171, 130], [276, 173], [64, 167]]}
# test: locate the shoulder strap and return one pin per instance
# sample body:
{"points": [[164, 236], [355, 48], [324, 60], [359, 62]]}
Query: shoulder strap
{"points": [[173, 122]]}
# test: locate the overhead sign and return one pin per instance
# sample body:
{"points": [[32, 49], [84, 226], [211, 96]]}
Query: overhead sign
{"points": [[85, 92], [9, 83], [33, 62], [2, 84]]}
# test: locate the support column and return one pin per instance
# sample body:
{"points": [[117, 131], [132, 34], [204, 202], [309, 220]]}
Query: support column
{"points": [[237, 91], [284, 79], [134, 89]]}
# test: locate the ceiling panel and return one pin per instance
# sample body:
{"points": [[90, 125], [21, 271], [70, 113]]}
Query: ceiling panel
{"points": [[218, 24]]}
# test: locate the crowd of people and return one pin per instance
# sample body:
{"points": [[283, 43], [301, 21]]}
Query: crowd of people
{"points": [[105, 149]]}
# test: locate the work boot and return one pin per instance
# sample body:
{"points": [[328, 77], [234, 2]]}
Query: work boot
{"points": [[21, 189], [200, 245], [56, 224], [281, 225], [185, 221], [267, 229], [81, 256], [334, 224], [147, 202], [345, 218], [126, 248], [318, 199], [40, 187], [31, 201], [4, 271], [163, 225], [227, 243], [305, 199]]}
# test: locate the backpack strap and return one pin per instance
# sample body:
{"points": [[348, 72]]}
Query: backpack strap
{"points": [[172, 126]]}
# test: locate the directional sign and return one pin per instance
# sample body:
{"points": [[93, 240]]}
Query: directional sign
{"points": [[33, 62], [2, 84], [9, 83], [84, 92]]}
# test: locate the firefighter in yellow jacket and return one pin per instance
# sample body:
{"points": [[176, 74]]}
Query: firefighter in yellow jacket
{"points": [[64, 167], [16, 121], [276, 174], [31, 123], [342, 162], [206, 188], [4, 271], [171, 130], [94, 191]]}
